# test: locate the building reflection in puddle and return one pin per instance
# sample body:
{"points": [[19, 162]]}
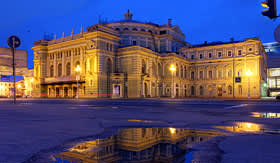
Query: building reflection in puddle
{"points": [[139, 145], [242, 127], [265, 115]]}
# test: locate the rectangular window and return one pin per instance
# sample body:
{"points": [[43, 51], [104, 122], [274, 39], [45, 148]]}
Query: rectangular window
{"points": [[240, 90], [220, 54], [210, 55], [220, 74], [239, 52], [210, 74], [192, 57], [201, 75], [229, 53], [200, 56], [134, 42], [229, 73], [192, 75]]}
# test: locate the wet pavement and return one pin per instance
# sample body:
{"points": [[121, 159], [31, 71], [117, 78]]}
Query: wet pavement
{"points": [[34, 127]]}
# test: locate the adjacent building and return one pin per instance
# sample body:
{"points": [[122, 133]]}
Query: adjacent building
{"points": [[132, 59], [273, 74], [6, 72]]}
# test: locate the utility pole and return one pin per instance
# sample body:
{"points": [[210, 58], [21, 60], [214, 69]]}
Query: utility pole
{"points": [[14, 42]]}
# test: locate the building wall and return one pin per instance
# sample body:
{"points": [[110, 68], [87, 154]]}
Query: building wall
{"points": [[115, 58]]}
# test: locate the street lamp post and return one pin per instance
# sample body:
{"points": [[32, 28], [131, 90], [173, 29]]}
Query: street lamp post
{"points": [[249, 74], [78, 70], [172, 68]]}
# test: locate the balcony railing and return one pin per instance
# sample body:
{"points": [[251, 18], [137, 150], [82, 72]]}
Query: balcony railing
{"points": [[62, 79]]}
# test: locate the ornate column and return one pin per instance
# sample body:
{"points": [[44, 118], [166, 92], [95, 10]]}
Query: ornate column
{"points": [[71, 62], [55, 65], [63, 63]]}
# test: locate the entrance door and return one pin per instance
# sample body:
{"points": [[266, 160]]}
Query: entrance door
{"points": [[74, 92], [146, 90], [65, 92], [57, 92], [117, 91], [220, 91]]}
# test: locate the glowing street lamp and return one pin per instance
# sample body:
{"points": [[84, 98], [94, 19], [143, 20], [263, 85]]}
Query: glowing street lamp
{"points": [[249, 74], [78, 70], [2, 89], [172, 68]]}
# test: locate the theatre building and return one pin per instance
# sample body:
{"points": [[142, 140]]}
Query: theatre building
{"points": [[133, 59]]}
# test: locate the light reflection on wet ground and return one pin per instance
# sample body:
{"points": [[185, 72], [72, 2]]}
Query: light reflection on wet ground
{"points": [[265, 115], [242, 127], [140, 145]]}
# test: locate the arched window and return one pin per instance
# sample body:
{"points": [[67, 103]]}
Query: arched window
{"points": [[109, 66], [229, 73], [240, 90], [143, 30], [201, 90], [160, 70], [68, 69], [51, 71], [210, 90], [192, 91], [117, 29], [59, 70], [177, 70], [229, 89], [125, 29], [134, 29], [143, 66], [77, 63], [182, 71], [185, 70], [154, 69]]}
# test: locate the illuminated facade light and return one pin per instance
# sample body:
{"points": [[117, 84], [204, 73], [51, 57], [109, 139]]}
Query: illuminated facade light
{"points": [[172, 130]]}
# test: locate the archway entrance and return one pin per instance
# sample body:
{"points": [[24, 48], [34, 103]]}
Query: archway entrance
{"points": [[220, 90], [145, 89], [65, 92], [57, 92]]}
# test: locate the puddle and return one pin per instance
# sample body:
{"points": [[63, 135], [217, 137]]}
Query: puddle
{"points": [[242, 127], [139, 145], [265, 115]]}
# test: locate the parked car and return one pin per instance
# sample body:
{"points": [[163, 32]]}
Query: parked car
{"points": [[278, 97]]}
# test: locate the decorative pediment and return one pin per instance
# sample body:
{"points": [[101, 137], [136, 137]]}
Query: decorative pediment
{"points": [[91, 44]]}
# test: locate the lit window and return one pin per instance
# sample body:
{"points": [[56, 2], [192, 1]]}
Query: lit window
{"points": [[220, 54], [229, 53], [239, 52]]}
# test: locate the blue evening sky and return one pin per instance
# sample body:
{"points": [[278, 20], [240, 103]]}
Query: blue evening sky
{"points": [[200, 20]]}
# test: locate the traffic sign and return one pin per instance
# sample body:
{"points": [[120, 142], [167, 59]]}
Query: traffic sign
{"points": [[238, 79], [13, 41]]}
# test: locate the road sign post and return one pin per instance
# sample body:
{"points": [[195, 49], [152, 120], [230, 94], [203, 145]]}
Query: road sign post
{"points": [[14, 42]]}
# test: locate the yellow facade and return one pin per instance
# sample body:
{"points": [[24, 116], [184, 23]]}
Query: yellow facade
{"points": [[132, 59]]}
